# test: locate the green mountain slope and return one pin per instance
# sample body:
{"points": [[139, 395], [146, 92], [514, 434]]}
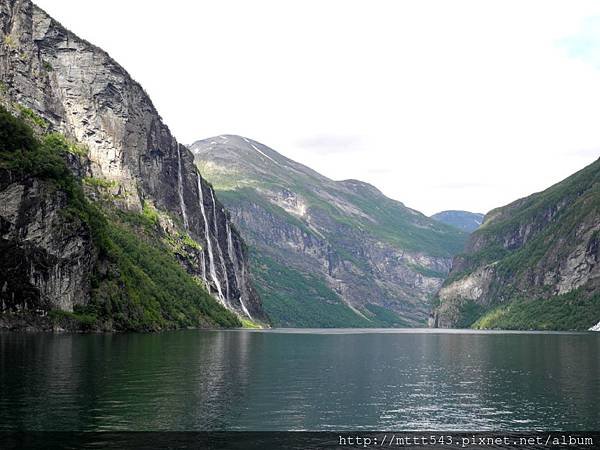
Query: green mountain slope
{"points": [[327, 253], [533, 263]]}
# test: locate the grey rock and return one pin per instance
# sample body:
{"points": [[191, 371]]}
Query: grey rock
{"points": [[47, 258]]}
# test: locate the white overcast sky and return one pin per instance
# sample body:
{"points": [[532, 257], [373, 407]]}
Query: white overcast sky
{"points": [[441, 104]]}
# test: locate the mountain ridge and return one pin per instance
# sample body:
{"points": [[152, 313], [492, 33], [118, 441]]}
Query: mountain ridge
{"points": [[532, 264], [463, 220], [363, 249]]}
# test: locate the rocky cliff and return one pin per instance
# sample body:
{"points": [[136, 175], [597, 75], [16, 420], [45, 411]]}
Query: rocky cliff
{"points": [[67, 85], [327, 253], [533, 264], [463, 220], [46, 258]]}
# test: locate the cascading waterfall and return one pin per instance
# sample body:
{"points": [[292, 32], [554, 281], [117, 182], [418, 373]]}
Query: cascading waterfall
{"points": [[234, 261], [180, 188], [211, 259], [219, 251]]}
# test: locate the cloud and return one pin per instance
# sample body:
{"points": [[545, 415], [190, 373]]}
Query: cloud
{"points": [[593, 152], [464, 185], [331, 144], [585, 44], [380, 170]]}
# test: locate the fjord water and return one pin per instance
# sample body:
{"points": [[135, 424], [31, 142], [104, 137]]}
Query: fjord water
{"points": [[300, 379]]}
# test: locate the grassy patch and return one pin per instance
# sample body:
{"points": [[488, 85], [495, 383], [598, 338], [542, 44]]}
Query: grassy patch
{"points": [[100, 183], [60, 317], [28, 115], [189, 242], [59, 141], [150, 214], [247, 323]]}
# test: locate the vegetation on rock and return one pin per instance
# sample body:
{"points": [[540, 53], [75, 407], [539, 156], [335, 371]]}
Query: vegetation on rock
{"points": [[137, 283], [543, 253]]}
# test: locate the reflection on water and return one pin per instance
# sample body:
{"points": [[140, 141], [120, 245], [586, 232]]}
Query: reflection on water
{"points": [[316, 380]]}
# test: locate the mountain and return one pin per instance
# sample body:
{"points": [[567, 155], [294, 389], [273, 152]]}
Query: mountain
{"points": [[463, 220], [327, 253], [533, 264], [144, 204]]}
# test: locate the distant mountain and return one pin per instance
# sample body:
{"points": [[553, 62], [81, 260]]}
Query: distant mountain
{"points": [[463, 220], [533, 264], [327, 253]]}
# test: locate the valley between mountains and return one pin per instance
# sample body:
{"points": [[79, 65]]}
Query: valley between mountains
{"points": [[108, 223]]}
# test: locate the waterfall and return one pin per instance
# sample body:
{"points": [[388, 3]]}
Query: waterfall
{"points": [[244, 308], [231, 250], [203, 264], [243, 268], [180, 187], [219, 251], [234, 261], [211, 259]]}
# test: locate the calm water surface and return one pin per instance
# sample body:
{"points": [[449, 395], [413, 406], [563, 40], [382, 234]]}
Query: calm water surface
{"points": [[302, 379]]}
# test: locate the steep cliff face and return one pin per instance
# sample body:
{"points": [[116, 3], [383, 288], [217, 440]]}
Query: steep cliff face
{"points": [[46, 258], [72, 259], [463, 220], [533, 263], [327, 253], [78, 90]]}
